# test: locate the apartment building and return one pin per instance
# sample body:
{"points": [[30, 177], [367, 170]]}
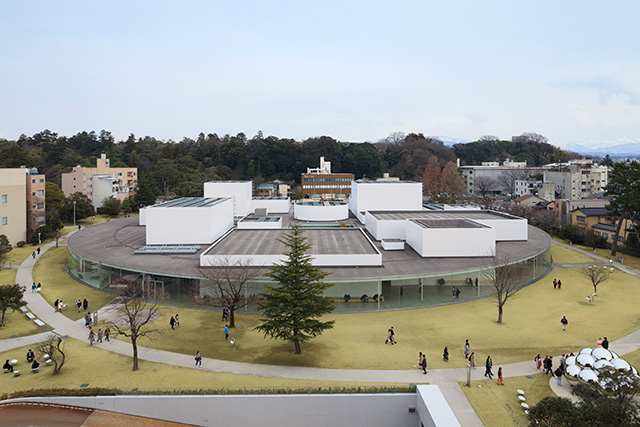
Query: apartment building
{"points": [[13, 204], [321, 183], [493, 178], [101, 182], [578, 179], [36, 192]]}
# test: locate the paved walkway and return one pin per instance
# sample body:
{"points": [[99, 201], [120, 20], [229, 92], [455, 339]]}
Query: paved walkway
{"points": [[446, 379]]}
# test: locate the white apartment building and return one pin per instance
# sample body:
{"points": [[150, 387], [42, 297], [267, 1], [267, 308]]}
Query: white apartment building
{"points": [[579, 179]]}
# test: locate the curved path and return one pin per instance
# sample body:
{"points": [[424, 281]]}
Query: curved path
{"points": [[446, 379]]}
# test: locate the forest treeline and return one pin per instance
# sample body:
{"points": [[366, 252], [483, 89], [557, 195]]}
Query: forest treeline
{"points": [[181, 167]]}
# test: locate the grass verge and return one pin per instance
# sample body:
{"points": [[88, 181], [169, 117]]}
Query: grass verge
{"points": [[498, 406], [57, 284], [562, 255], [98, 367], [15, 323]]}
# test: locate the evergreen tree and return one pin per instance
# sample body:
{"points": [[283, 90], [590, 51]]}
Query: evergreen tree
{"points": [[11, 298], [294, 306], [147, 191]]}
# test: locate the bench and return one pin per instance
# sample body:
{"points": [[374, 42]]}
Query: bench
{"points": [[30, 316], [16, 373], [24, 309], [5, 371], [38, 322]]}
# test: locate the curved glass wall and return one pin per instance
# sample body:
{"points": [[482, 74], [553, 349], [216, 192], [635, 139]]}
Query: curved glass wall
{"points": [[398, 293]]}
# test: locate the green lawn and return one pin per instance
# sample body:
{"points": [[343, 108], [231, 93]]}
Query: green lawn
{"points": [[531, 326], [101, 368], [57, 284], [16, 323], [498, 406], [628, 260], [562, 255]]}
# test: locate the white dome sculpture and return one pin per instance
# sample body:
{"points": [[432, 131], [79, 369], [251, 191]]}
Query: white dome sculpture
{"points": [[602, 353], [621, 364], [571, 360], [585, 360], [588, 375], [572, 371], [602, 363]]}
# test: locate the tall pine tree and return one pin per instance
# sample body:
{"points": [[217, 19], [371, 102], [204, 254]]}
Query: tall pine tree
{"points": [[296, 303]]}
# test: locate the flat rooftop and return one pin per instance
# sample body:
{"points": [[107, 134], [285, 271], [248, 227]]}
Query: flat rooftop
{"points": [[113, 243], [271, 198], [265, 242], [261, 219], [447, 223], [191, 202], [452, 214], [323, 203]]}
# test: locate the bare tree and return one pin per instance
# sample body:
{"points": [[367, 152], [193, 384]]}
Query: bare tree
{"points": [[395, 137], [506, 279], [596, 273], [484, 185], [507, 179], [54, 348], [228, 284], [134, 320]]}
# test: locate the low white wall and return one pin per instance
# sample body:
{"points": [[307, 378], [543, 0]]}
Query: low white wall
{"points": [[433, 409], [385, 229], [244, 224], [451, 242], [320, 410], [142, 216], [393, 245], [271, 205], [188, 225], [385, 196], [323, 260], [321, 213]]}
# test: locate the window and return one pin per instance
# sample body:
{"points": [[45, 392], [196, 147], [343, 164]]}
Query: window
{"points": [[597, 233], [41, 218], [620, 239], [33, 194], [41, 179], [4, 220], [41, 205], [40, 193], [605, 235], [580, 218], [33, 181], [4, 198]]}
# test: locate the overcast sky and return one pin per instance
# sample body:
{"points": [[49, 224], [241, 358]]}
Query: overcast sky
{"points": [[354, 70]]}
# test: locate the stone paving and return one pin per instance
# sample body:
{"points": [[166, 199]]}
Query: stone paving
{"points": [[446, 379]]}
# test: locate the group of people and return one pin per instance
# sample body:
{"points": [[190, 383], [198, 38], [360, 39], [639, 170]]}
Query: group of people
{"points": [[59, 305], [34, 253], [82, 305], [557, 284], [546, 365], [31, 358], [455, 292], [92, 335], [36, 288], [391, 336], [175, 321]]}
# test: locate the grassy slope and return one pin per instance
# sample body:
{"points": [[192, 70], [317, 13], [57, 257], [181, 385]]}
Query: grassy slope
{"points": [[562, 255], [498, 406], [16, 323], [101, 368], [57, 284], [531, 326]]}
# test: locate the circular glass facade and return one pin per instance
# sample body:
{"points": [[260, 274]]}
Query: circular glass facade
{"points": [[398, 292]]}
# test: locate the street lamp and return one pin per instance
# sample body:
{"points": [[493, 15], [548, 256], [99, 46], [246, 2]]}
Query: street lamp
{"points": [[39, 241], [74, 213]]}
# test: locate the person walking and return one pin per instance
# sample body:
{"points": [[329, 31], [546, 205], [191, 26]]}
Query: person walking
{"points": [[38, 288], [172, 322], [487, 366], [605, 343], [34, 254], [472, 360], [92, 336], [226, 331], [559, 375], [420, 357], [198, 359], [549, 366], [500, 381], [55, 305], [38, 251], [107, 332], [564, 322], [85, 304], [466, 349], [79, 305], [555, 283], [33, 288], [445, 355], [559, 284], [393, 336], [423, 365], [538, 362], [100, 336], [599, 342], [177, 318]]}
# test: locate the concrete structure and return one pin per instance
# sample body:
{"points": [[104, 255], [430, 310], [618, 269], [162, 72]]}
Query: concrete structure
{"points": [[335, 247], [450, 238], [273, 189], [527, 186], [190, 220], [493, 178], [13, 204], [385, 225], [578, 179], [321, 211], [384, 196], [427, 407], [529, 201], [36, 195], [80, 180], [320, 183], [259, 222], [239, 191], [106, 186], [273, 205]]}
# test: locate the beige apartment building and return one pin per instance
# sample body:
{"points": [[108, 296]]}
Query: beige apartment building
{"points": [[100, 182], [36, 184], [13, 204]]}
